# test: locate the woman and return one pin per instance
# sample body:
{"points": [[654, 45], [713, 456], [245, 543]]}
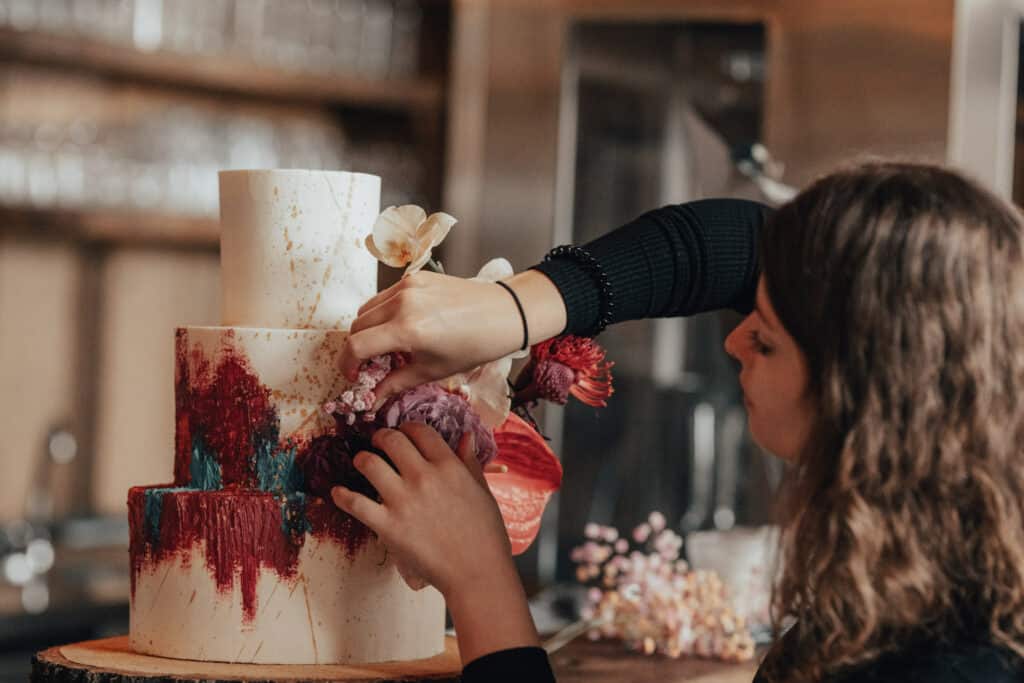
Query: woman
{"points": [[879, 358]]}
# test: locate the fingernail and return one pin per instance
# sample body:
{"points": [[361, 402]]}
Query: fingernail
{"points": [[338, 495]]}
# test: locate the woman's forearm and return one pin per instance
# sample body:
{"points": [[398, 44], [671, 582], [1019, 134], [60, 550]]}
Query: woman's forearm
{"points": [[673, 261], [492, 614], [542, 304]]}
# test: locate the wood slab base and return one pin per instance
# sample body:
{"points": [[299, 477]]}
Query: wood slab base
{"points": [[111, 660]]}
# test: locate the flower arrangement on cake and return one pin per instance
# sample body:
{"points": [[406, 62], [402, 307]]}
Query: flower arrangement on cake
{"points": [[520, 468]]}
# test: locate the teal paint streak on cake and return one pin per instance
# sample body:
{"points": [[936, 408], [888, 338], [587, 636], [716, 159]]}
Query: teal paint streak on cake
{"points": [[154, 506], [276, 471], [204, 470]]}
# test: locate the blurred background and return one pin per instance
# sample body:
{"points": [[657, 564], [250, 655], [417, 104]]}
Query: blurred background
{"points": [[534, 122]]}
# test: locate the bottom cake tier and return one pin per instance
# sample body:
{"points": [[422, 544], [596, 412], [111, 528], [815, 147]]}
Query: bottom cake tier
{"points": [[250, 576]]}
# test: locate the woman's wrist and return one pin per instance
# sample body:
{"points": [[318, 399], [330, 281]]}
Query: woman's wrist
{"points": [[542, 304], [491, 613]]}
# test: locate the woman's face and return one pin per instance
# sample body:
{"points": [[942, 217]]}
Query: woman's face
{"points": [[774, 380]]}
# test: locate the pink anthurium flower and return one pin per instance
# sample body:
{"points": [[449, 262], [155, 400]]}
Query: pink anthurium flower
{"points": [[534, 473]]}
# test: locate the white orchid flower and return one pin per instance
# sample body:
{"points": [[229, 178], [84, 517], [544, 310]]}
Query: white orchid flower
{"points": [[406, 236]]}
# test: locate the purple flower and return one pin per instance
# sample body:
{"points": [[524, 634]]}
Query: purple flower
{"points": [[450, 414]]}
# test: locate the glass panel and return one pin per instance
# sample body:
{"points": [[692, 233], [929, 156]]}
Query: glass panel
{"points": [[663, 110]]}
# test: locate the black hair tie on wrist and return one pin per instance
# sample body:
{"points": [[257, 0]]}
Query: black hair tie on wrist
{"points": [[592, 267], [522, 313]]}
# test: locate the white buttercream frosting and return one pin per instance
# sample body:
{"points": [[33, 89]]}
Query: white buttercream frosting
{"points": [[292, 243]]}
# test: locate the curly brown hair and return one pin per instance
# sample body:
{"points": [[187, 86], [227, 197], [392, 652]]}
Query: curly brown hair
{"points": [[903, 284]]}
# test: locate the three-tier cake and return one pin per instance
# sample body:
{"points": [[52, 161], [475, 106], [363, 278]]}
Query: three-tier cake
{"points": [[232, 561]]}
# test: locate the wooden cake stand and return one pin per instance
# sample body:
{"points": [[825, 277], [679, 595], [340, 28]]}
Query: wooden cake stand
{"points": [[110, 660]]}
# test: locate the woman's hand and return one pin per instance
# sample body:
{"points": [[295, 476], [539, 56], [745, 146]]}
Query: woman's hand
{"points": [[441, 522], [436, 513], [448, 324]]}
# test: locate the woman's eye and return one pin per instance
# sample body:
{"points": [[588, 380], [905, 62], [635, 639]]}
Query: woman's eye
{"points": [[759, 345]]}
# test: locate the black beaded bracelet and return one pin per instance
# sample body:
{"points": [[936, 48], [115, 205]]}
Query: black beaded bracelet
{"points": [[586, 260], [522, 313]]}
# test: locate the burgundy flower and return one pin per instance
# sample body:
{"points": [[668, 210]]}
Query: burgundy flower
{"points": [[562, 366], [553, 380], [327, 462], [450, 414]]}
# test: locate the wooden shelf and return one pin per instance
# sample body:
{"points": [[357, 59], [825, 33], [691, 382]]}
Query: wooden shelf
{"points": [[219, 74], [112, 226]]}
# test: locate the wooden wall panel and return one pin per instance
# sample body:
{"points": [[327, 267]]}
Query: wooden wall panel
{"points": [[146, 294], [38, 342], [856, 77], [520, 148]]}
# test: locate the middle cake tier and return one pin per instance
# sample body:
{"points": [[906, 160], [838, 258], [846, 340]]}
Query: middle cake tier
{"points": [[248, 400]]}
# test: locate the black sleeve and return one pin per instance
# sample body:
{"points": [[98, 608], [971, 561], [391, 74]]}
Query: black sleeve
{"points": [[677, 260], [515, 665]]}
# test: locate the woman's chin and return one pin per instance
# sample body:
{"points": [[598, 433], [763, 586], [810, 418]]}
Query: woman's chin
{"points": [[771, 446]]}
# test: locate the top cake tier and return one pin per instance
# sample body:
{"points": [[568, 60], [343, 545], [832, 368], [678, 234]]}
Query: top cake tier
{"points": [[292, 247]]}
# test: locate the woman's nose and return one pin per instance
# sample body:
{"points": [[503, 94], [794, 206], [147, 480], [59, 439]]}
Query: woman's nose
{"points": [[732, 342]]}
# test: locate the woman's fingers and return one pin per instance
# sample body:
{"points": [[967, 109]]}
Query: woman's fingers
{"points": [[369, 512], [401, 450], [396, 382], [426, 439], [407, 282], [378, 315], [380, 474], [405, 455], [467, 454], [367, 344], [382, 296]]}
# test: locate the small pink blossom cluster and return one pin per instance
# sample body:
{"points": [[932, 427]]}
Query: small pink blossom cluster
{"points": [[360, 397], [651, 600]]}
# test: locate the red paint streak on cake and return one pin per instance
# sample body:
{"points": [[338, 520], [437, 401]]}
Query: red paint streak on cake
{"points": [[189, 363], [227, 404], [326, 521], [240, 532], [137, 544]]}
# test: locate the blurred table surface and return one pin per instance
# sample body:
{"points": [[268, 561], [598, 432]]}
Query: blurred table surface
{"points": [[584, 660], [111, 660]]}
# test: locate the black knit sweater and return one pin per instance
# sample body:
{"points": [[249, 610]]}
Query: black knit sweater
{"points": [[682, 260], [673, 261]]}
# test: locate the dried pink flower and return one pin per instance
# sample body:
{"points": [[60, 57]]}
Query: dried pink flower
{"points": [[356, 401], [651, 600]]}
